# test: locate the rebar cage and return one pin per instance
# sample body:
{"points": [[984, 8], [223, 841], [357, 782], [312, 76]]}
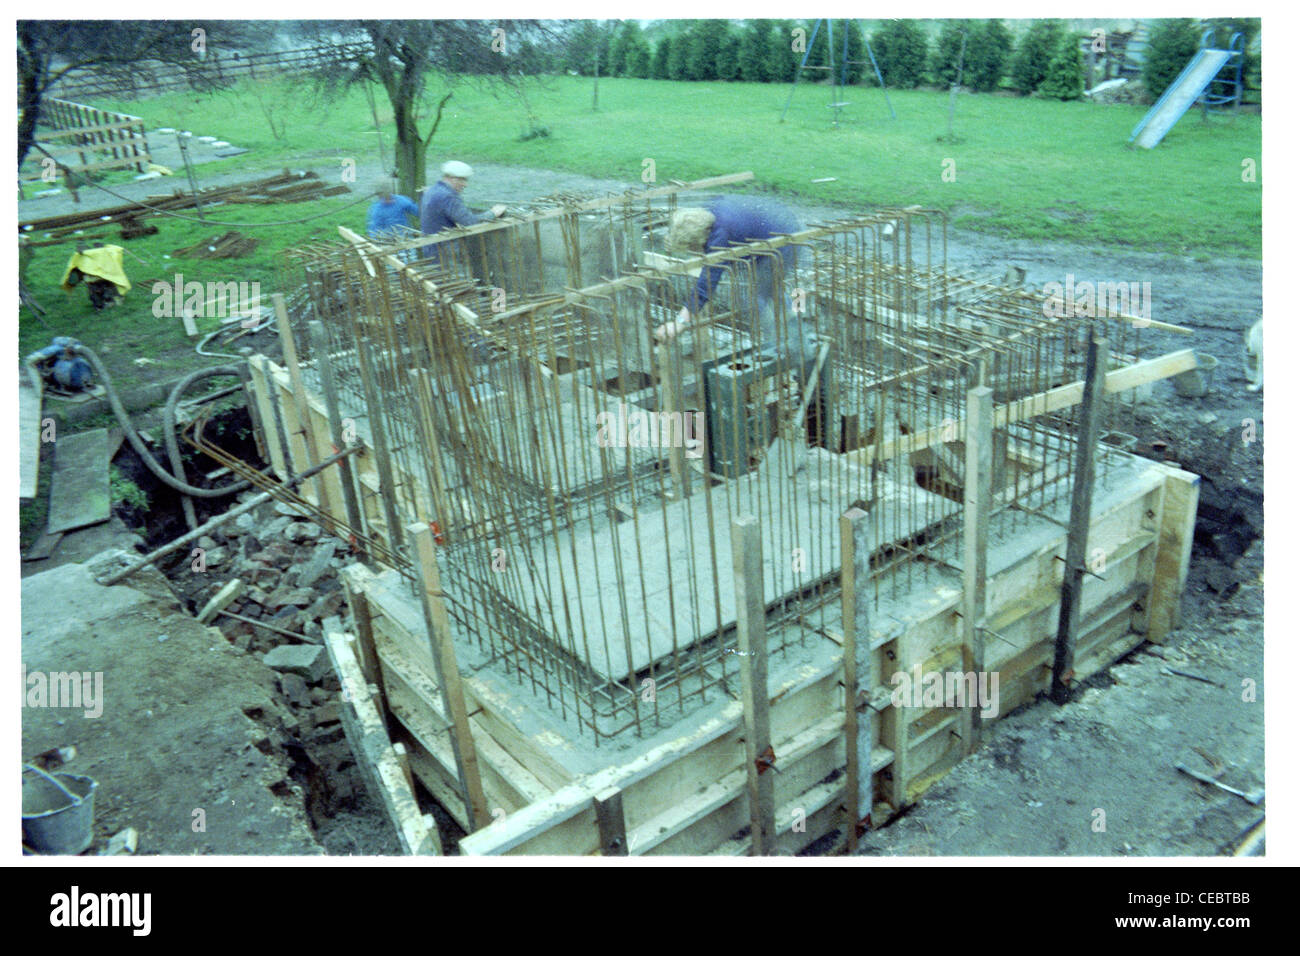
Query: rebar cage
{"points": [[581, 472]]}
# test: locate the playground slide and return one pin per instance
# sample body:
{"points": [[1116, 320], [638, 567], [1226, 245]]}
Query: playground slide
{"points": [[1182, 93]]}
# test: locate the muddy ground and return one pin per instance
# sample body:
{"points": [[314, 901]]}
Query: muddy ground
{"points": [[1038, 784]]}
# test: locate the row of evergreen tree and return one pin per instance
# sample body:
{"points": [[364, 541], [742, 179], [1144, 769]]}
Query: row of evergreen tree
{"points": [[1047, 60]]}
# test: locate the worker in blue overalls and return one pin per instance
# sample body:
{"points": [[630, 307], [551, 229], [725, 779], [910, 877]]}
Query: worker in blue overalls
{"points": [[731, 221]]}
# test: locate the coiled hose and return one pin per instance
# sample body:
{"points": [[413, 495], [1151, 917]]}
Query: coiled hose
{"points": [[169, 427]]}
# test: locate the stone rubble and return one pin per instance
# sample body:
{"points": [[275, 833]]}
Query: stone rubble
{"points": [[290, 570]]}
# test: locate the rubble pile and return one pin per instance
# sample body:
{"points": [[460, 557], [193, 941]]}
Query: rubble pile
{"points": [[288, 593]]}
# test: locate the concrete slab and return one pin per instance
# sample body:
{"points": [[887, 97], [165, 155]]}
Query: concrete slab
{"points": [[79, 487], [677, 588]]}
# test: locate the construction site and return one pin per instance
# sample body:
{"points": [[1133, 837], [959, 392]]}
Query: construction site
{"points": [[734, 592]]}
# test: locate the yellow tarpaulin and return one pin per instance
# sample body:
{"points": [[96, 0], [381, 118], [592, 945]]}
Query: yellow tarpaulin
{"points": [[103, 262]]}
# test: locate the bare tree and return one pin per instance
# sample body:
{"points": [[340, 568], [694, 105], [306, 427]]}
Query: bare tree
{"points": [[49, 49], [419, 63]]}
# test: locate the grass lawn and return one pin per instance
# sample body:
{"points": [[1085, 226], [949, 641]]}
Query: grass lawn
{"points": [[130, 330], [1024, 167]]}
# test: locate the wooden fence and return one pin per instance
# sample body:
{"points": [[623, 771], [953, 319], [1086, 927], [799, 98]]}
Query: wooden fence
{"points": [[86, 139], [152, 77]]}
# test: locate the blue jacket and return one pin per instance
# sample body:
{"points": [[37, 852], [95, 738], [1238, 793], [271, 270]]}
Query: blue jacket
{"points": [[386, 214], [442, 209], [739, 219]]}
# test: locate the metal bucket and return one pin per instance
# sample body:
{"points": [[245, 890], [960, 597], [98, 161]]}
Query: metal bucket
{"points": [[58, 811], [1196, 382]]}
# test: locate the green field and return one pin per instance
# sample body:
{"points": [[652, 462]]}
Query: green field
{"points": [[1024, 166]]}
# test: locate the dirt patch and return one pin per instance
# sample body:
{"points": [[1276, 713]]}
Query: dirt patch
{"points": [[166, 730]]}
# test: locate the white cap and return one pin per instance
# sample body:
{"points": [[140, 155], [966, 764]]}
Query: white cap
{"points": [[454, 167]]}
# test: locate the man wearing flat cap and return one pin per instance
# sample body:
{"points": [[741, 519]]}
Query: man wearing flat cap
{"points": [[442, 207]]}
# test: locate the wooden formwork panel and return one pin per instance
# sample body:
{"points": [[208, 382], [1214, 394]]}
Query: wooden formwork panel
{"points": [[688, 795]]}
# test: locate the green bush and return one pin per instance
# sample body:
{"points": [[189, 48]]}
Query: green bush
{"points": [[677, 55], [754, 46], [987, 51], [663, 53], [629, 54], [900, 47], [707, 40], [123, 489], [949, 55], [726, 65], [1064, 79], [1033, 54], [1172, 44], [782, 60]]}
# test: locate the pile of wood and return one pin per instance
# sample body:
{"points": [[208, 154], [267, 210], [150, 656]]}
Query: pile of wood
{"points": [[230, 245], [283, 187]]}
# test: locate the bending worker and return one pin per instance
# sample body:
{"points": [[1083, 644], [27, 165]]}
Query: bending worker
{"points": [[729, 221]]}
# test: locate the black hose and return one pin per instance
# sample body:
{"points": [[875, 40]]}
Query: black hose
{"points": [[169, 414], [169, 428]]}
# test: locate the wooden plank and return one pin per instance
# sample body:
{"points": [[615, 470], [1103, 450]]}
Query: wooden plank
{"points": [[492, 707], [1076, 547], [79, 494], [609, 818], [751, 634], [299, 394], [104, 127], [716, 807], [1174, 552], [1031, 406], [449, 680], [416, 701], [29, 440], [222, 599], [106, 164], [262, 385], [374, 752], [855, 552], [359, 605], [325, 368], [567, 210], [977, 503]]}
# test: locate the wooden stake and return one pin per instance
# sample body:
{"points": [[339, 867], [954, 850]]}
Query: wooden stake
{"points": [[855, 551], [351, 501], [444, 661], [978, 501], [1076, 548], [381, 766], [751, 633], [263, 388], [299, 393], [1177, 528], [383, 459]]}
